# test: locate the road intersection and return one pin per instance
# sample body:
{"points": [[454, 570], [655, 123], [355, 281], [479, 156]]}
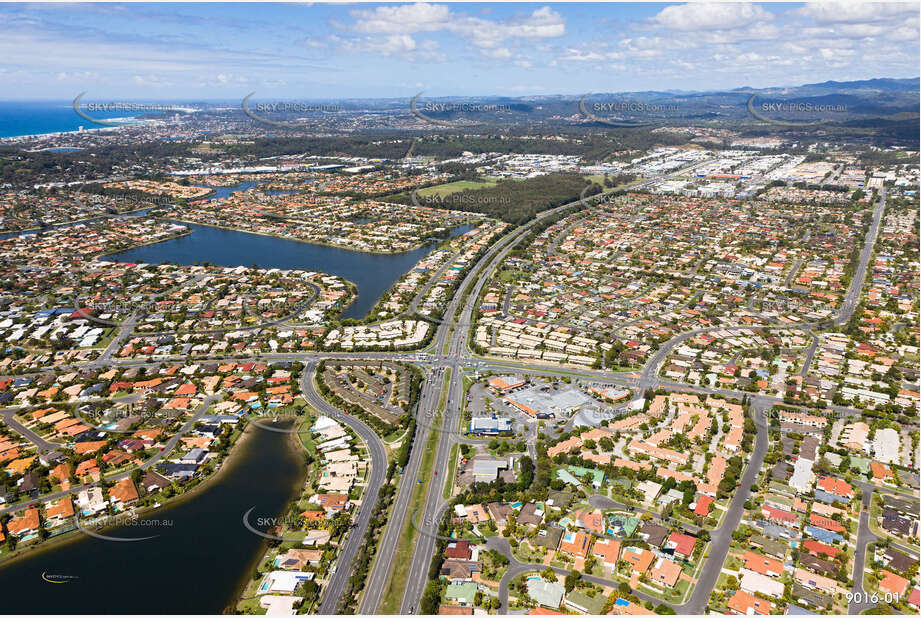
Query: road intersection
{"points": [[451, 351]]}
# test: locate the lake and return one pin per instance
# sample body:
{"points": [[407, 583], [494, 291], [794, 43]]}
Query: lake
{"points": [[373, 273], [225, 192], [196, 566]]}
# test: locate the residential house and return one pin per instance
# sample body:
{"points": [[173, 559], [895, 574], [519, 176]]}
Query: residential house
{"points": [[665, 572], [762, 564], [24, 524], [639, 559], [753, 582], [123, 493], [608, 551], [547, 594], [459, 550], [747, 604], [575, 543]]}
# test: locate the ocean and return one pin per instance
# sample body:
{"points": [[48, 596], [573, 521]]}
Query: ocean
{"points": [[18, 118]]}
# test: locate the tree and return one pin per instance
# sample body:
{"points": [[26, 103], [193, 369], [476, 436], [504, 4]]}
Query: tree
{"points": [[571, 579], [431, 599]]}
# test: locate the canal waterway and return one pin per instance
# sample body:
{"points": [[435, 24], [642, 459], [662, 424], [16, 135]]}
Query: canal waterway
{"points": [[198, 563]]}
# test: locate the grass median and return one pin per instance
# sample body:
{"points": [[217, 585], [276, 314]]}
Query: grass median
{"points": [[403, 556]]}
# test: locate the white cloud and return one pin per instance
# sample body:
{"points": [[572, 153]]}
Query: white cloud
{"points": [[856, 12], [406, 18], [699, 16], [755, 32], [76, 76], [542, 23], [155, 81], [500, 53], [402, 45], [578, 55]]}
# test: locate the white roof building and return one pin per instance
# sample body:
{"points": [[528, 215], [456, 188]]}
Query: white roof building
{"points": [[886, 445], [650, 489], [752, 582], [283, 581], [279, 605], [802, 477]]}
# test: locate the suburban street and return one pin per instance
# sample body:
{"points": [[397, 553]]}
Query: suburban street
{"points": [[450, 354], [648, 379], [332, 592]]}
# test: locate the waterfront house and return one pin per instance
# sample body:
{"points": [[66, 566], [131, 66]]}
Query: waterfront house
{"points": [[123, 493], [24, 524]]}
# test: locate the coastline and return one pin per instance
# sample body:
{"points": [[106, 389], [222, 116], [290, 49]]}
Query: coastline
{"points": [[21, 138], [75, 535]]}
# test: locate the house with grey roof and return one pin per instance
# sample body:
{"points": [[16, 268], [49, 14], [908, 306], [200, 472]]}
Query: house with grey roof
{"points": [[548, 594]]}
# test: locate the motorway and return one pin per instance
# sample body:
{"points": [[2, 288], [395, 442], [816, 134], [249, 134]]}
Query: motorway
{"points": [[459, 352], [452, 333], [382, 567], [648, 379]]}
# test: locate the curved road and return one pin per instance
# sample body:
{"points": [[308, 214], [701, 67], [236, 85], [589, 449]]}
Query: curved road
{"points": [[332, 592], [453, 334]]}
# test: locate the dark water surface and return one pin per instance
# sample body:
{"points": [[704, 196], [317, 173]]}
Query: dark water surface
{"points": [[373, 273], [195, 566]]}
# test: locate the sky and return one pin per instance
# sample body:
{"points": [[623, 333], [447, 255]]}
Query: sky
{"points": [[193, 52]]}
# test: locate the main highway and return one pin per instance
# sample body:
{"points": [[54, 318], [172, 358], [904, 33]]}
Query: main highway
{"points": [[453, 334], [451, 349], [458, 351]]}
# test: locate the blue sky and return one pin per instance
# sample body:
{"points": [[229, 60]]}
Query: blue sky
{"points": [[315, 51]]}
